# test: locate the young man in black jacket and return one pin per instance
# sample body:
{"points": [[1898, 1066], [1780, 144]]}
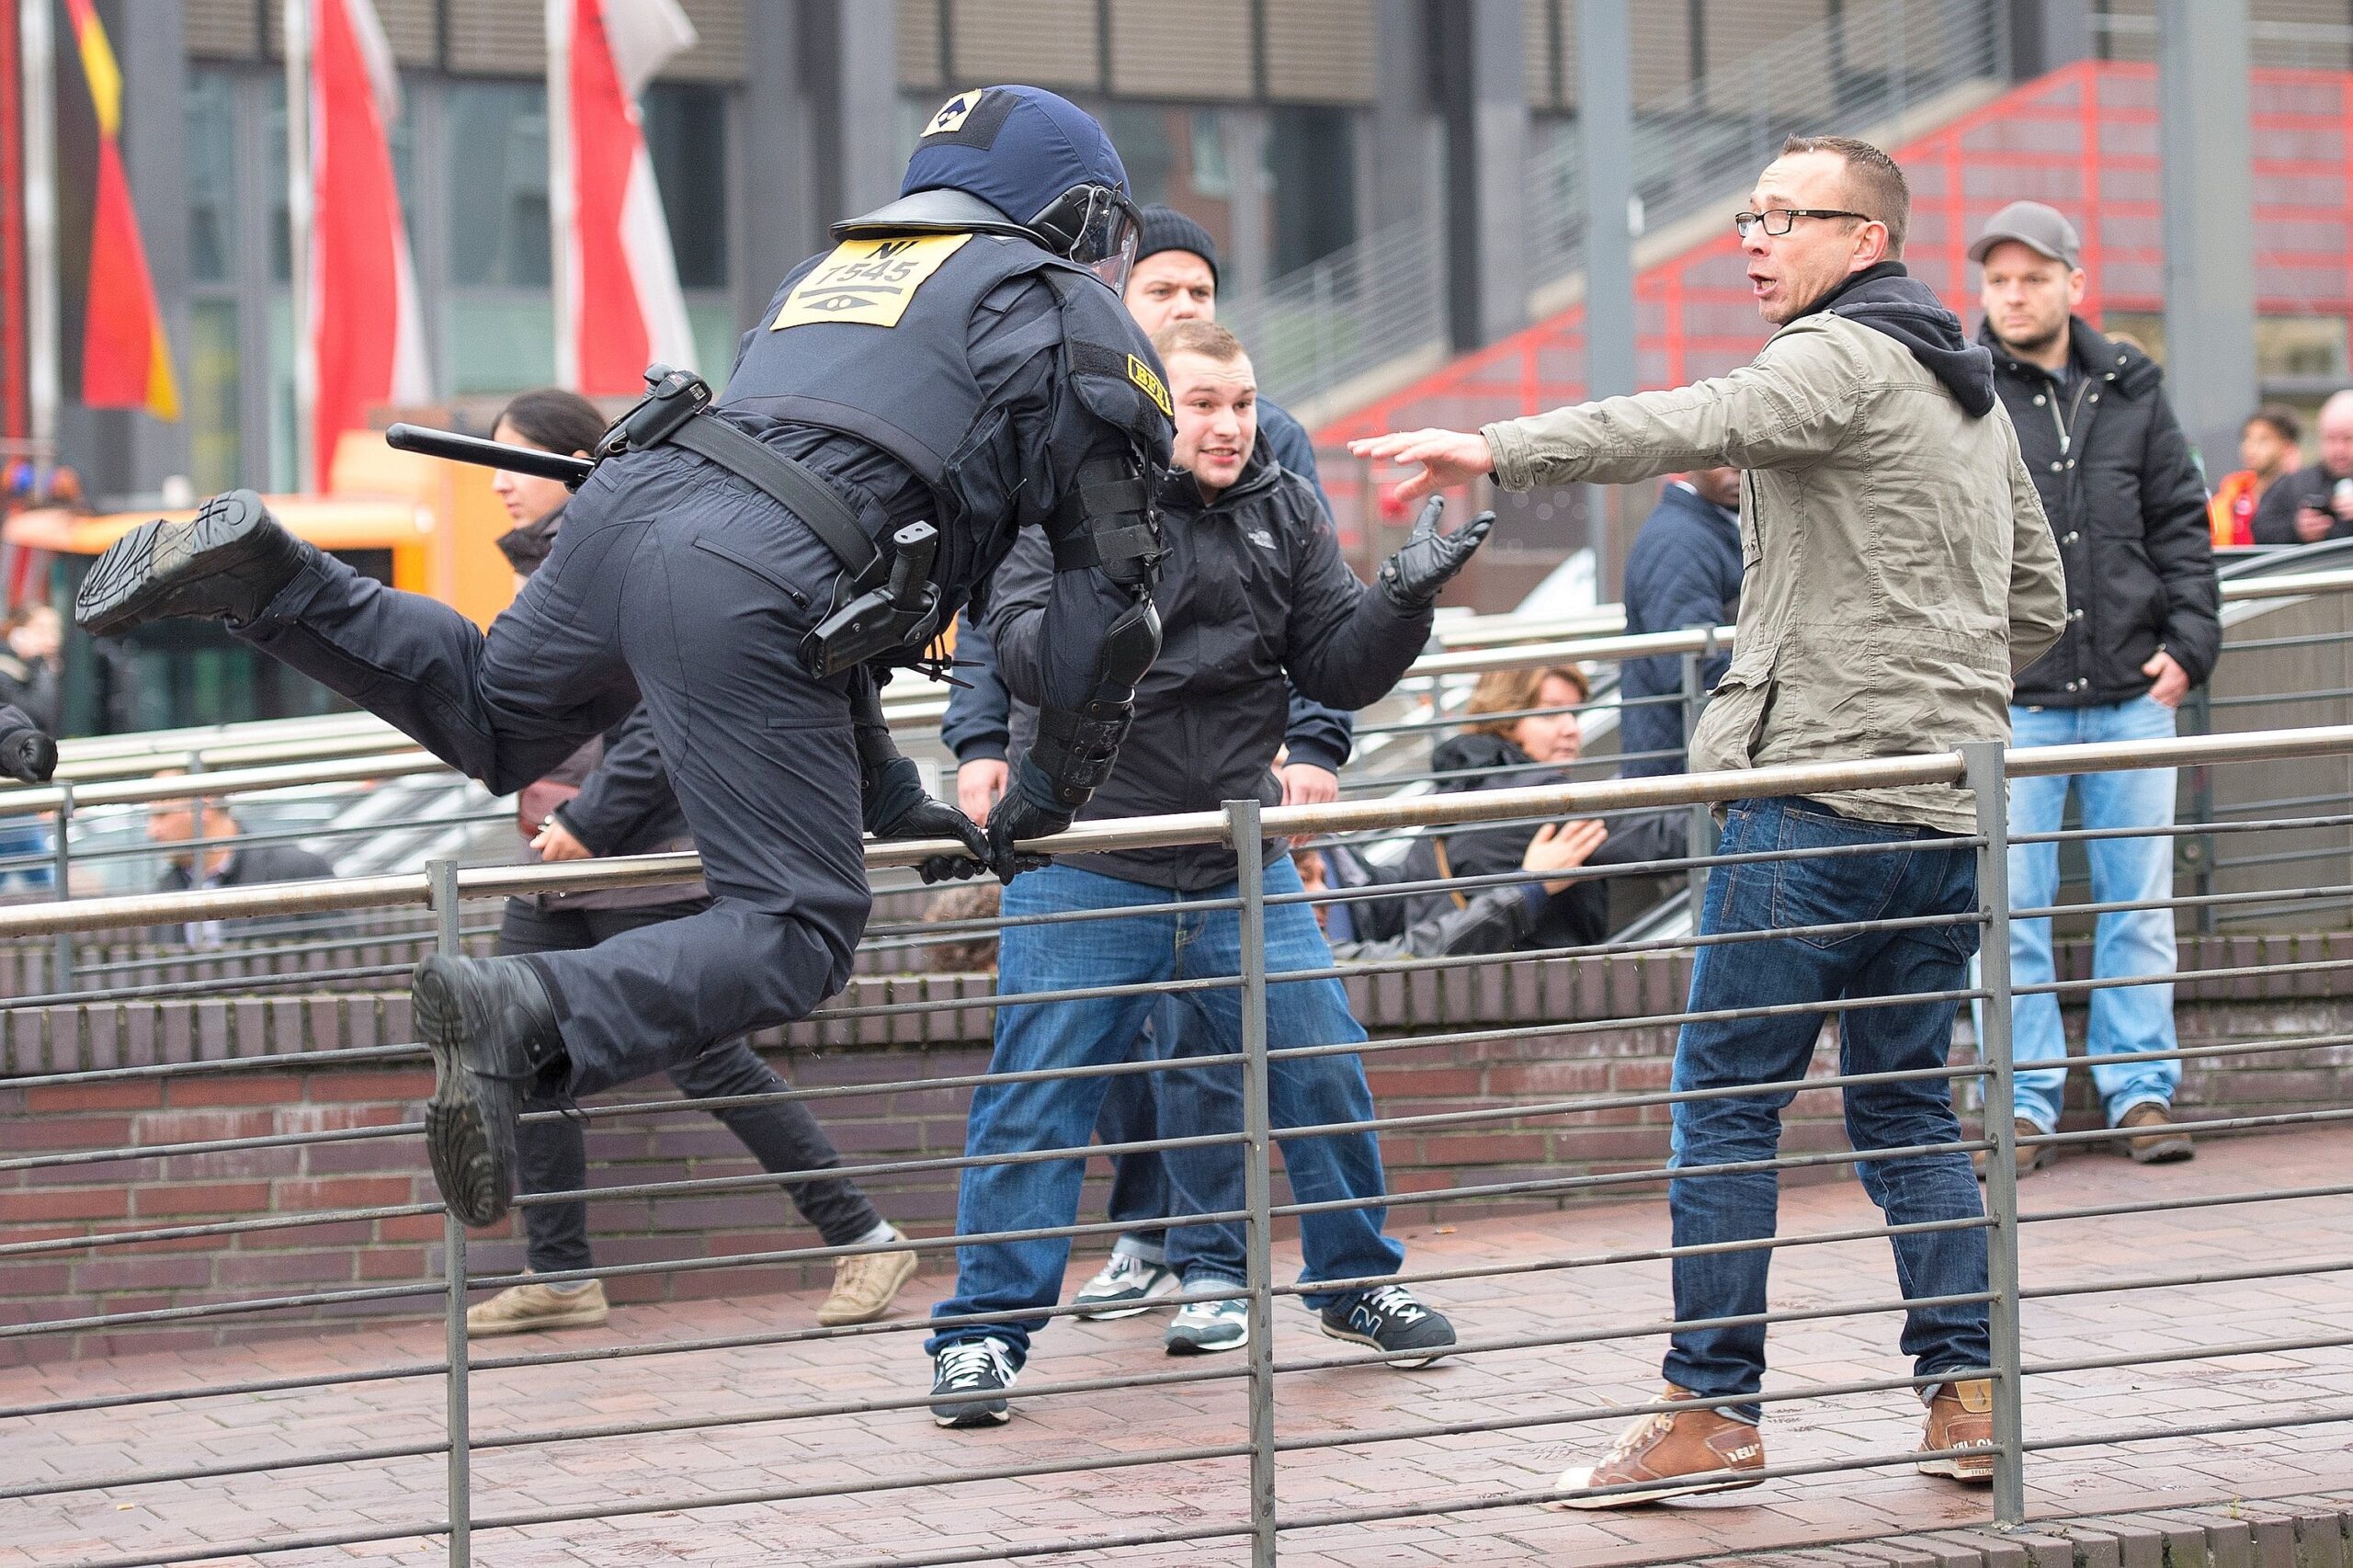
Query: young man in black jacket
{"points": [[1252, 587], [2129, 510]]}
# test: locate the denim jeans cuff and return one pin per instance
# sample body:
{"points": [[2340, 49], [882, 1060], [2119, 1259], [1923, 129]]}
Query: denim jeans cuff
{"points": [[1142, 1251], [1208, 1280]]}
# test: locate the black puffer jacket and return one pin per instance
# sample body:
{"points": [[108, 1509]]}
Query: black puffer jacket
{"points": [[1253, 588], [1578, 915], [2129, 511]]}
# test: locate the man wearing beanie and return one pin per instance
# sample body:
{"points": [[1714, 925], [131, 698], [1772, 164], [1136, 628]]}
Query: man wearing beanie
{"points": [[1174, 278]]}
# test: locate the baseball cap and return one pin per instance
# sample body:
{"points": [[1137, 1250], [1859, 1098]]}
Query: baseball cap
{"points": [[2039, 228]]}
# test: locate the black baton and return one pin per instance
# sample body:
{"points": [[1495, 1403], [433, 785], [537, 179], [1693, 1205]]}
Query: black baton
{"points": [[448, 443]]}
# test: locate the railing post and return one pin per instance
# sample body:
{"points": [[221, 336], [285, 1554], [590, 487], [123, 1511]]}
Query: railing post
{"points": [[61, 855], [1987, 782], [1700, 833], [443, 882], [2199, 850], [1258, 1175]]}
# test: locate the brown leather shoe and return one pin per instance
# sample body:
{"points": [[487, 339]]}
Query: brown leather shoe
{"points": [[1684, 1451], [1961, 1417], [2159, 1140], [864, 1287], [2030, 1157]]}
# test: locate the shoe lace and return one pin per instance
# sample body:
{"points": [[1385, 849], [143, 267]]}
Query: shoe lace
{"points": [[969, 1364], [1641, 1435], [1397, 1303]]}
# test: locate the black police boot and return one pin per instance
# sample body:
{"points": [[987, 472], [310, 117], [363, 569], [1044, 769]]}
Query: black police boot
{"points": [[491, 1026], [225, 563]]}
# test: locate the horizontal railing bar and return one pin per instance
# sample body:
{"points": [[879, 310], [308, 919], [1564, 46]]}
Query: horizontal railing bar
{"points": [[297, 1060], [2136, 1360], [226, 1391], [1209, 826], [232, 984], [2168, 1205], [2194, 1276], [122, 1481], [2200, 1429]]}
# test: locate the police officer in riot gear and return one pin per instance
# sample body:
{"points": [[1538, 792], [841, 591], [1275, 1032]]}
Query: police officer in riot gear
{"points": [[954, 369]]}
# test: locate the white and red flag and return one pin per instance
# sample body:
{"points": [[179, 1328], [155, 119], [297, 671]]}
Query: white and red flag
{"points": [[365, 343], [619, 307]]}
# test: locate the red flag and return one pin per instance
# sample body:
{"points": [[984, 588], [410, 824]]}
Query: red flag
{"points": [[367, 336], [625, 309], [111, 332]]}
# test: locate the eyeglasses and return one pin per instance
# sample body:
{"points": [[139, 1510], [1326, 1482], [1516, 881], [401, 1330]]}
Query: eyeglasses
{"points": [[1776, 220]]}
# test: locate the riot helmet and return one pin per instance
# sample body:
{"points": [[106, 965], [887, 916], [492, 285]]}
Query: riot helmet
{"points": [[1017, 160]]}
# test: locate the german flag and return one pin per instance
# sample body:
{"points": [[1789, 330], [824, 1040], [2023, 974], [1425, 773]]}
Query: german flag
{"points": [[111, 332]]}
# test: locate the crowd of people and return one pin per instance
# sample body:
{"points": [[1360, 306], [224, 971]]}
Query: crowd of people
{"points": [[1925, 540]]}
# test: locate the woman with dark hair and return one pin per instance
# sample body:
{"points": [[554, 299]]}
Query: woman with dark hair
{"points": [[1521, 732], [613, 797]]}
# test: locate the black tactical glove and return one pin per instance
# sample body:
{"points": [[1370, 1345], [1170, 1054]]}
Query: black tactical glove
{"points": [[25, 754], [1411, 579], [1017, 815], [896, 807]]}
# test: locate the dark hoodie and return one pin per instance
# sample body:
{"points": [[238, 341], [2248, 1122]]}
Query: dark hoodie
{"points": [[1889, 299]]}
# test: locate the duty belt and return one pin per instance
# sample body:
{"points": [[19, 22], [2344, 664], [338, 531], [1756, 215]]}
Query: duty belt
{"points": [[870, 616]]}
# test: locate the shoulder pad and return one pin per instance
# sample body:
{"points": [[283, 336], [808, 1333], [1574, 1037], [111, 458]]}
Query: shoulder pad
{"points": [[1110, 362]]}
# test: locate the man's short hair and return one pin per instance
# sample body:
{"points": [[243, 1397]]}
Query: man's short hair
{"points": [[2282, 420], [1874, 184], [1205, 338], [972, 952]]}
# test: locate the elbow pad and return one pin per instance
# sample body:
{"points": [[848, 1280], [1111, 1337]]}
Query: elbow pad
{"points": [[1075, 750], [1107, 522]]}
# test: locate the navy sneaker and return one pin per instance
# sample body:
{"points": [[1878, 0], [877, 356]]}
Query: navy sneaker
{"points": [[1388, 1318], [968, 1384]]}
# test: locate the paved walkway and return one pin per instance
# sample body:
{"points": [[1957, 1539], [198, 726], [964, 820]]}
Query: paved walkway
{"points": [[985, 1516]]}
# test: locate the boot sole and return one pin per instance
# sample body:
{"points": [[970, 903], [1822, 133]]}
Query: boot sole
{"points": [[2170, 1152], [140, 568], [1436, 1352], [1952, 1470], [827, 1318], [476, 1183], [1665, 1491]]}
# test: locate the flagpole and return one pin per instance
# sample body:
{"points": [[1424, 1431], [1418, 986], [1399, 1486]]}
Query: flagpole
{"points": [[298, 235], [39, 54], [563, 197]]}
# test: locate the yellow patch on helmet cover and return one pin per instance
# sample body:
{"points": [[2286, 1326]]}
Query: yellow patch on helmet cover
{"points": [[1140, 373]]}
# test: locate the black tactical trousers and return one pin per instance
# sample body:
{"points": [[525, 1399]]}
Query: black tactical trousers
{"points": [[783, 1136], [673, 583]]}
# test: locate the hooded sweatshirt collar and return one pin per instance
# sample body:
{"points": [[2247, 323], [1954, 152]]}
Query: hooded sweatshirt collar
{"points": [[1889, 299]]}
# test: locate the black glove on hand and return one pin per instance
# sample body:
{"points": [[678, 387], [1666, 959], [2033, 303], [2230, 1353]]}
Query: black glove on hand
{"points": [[1017, 816], [896, 807], [1411, 579], [27, 756]]}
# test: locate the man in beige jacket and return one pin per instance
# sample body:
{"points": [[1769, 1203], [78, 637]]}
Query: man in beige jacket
{"points": [[1897, 573]]}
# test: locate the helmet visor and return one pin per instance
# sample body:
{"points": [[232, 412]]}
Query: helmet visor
{"points": [[1095, 226]]}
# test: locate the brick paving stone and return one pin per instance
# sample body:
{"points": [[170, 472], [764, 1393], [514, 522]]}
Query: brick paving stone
{"points": [[683, 1473]]}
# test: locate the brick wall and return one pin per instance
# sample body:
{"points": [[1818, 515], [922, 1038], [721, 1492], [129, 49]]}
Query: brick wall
{"points": [[300, 1101]]}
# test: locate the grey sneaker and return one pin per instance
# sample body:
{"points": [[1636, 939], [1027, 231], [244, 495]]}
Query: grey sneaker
{"points": [[1202, 1328], [1123, 1287]]}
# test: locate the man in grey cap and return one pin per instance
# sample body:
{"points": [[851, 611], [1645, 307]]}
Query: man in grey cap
{"points": [[2129, 511]]}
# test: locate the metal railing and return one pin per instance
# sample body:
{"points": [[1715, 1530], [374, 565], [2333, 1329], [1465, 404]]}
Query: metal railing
{"points": [[398, 1510]]}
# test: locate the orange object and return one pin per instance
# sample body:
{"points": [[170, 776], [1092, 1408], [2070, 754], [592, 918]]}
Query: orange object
{"points": [[2231, 512]]}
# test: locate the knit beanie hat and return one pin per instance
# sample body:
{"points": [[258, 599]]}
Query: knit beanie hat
{"points": [[1165, 228]]}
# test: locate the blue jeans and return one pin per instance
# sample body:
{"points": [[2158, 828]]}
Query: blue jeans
{"points": [[1916, 877], [1143, 950], [20, 837], [2128, 1019]]}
